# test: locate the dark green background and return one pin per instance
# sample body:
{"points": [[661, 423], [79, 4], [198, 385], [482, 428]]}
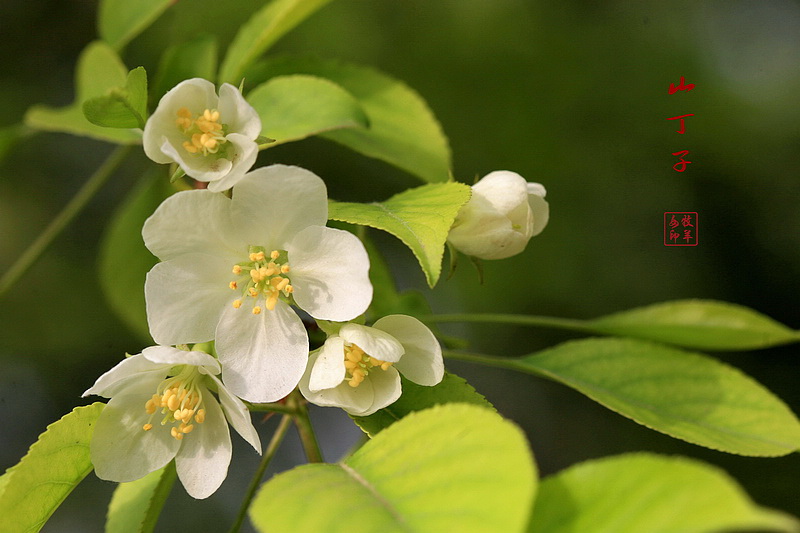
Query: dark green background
{"points": [[572, 94]]}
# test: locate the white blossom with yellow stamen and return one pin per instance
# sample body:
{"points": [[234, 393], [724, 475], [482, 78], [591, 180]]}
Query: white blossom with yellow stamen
{"points": [[505, 211], [232, 267], [357, 369], [162, 407], [212, 138]]}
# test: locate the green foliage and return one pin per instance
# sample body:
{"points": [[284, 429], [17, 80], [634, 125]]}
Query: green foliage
{"points": [[124, 260], [686, 395], [122, 107], [119, 21], [640, 492], [295, 107], [454, 467], [402, 129], [452, 389], [34, 488], [701, 324], [136, 505], [99, 70], [262, 31], [196, 58], [419, 217]]}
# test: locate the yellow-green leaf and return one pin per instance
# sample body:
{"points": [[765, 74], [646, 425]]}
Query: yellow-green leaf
{"points": [[419, 217]]}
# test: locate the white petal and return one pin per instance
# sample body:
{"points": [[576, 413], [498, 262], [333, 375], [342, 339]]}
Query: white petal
{"points": [[243, 153], [193, 222], [185, 297], [504, 189], [373, 341], [386, 390], [236, 113], [422, 363], [328, 370], [540, 210], [195, 94], [127, 371], [264, 355], [167, 355], [330, 273], [351, 399], [480, 230], [271, 204], [205, 453], [120, 449], [197, 166], [238, 415]]}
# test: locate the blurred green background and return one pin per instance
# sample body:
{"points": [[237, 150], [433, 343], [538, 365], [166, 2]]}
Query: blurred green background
{"points": [[572, 94]]}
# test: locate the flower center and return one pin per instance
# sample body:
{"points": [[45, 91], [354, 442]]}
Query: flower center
{"points": [[358, 364], [262, 274], [181, 402], [206, 134]]}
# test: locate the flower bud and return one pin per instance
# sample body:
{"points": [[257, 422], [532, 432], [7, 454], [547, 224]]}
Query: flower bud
{"points": [[503, 214]]}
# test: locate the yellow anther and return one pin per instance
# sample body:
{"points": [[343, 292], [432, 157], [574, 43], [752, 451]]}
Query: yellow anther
{"points": [[274, 254], [284, 269], [252, 292], [254, 274], [177, 414], [237, 269], [253, 256], [173, 403], [186, 428], [289, 289], [257, 309], [189, 147], [150, 407], [237, 304], [263, 272], [233, 285], [147, 427], [279, 283], [200, 416], [385, 366], [260, 256], [176, 434], [272, 300]]}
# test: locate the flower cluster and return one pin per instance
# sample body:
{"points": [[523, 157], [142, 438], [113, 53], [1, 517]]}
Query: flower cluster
{"points": [[235, 270]]}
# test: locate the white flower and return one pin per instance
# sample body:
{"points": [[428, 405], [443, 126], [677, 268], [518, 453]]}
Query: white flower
{"points": [[231, 267], [162, 408], [212, 138], [503, 214], [357, 369]]}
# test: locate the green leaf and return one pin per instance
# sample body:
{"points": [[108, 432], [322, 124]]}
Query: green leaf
{"points": [[454, 467], [452, 389], [643, 492], [54, 465], [99, 70], [701, 324], [403, 131], [419, 217], [686, 395], [295, 107], [121, 107], [262, 30], [124, 260], [119, 21], [136, 505], [196, 58]]}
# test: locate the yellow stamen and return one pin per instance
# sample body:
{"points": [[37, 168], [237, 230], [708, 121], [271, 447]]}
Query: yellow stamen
{"points": [[233, 285], [358, 364], [274, 254], [147, 427], [200, 417], [257, 309], [237, 304], [237, 269]]}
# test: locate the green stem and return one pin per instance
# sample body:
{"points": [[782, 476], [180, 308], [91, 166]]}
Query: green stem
{"points": [[304, 428], [272, 408], [522, 320], [269, 453], [75, 206]]}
